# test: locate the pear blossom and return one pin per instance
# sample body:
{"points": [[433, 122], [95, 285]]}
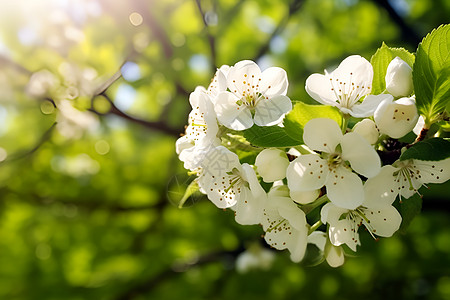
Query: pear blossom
{"points": [[201, 131], [255, 258], [398, 78], [396, 118], [345, 86], [405, 178], [285, 224], [379, 217], [311, 171], [368, 130], [271, 164], [228, 184], [254, 97], [334, 255]]}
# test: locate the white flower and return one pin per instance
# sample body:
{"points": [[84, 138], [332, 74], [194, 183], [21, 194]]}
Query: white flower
{"points": [[285, 224], [398, 78], [201, 130], [334, 255], [255, 258], [218, 82], [404, 178], [227, 184], [310, 172], [368, 130], [255, 97], [271, 164], [379, 217], [345, 86], [396, 118]]}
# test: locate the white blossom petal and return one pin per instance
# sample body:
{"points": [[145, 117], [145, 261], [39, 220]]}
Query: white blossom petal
{"points": [[396, 118], [274, 82], [381, 189], [334, 255], [271, 111], [433, 171], [345, 188], [384, 220], [271, 164], [368, 130], [322, 134], [369, 105], [306, 173], [243, 75], [230, 114], [344, 232], [319, 88], [361, 155], [304, 197]]}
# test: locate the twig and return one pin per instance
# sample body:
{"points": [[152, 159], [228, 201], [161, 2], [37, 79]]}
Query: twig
{"points": [[211, 39], [45, 137], [407, 33], [294, 7], [158, 125]]}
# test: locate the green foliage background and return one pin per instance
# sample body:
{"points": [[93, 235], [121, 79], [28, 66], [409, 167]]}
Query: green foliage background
{"points": [[88, 204]]}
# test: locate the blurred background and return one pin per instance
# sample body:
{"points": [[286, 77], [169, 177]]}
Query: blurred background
{"points": [[94, 94]]}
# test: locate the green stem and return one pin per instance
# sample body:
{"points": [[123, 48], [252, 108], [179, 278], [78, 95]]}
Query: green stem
{"points": [[314, 227], [310, 207], [345, 120]]}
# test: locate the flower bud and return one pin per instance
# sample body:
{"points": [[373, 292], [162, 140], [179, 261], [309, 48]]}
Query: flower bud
{"points": [[368, 130], [399, 78], [396, 118], [271, 164]]}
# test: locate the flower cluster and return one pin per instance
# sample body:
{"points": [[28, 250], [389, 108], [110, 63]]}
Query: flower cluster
{"points": [[351, 159]]}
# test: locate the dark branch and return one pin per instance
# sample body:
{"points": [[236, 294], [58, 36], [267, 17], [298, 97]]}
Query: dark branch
{"points": [[211, 39], [45, 137], [407, 33], [158, 125], [294, 7]]}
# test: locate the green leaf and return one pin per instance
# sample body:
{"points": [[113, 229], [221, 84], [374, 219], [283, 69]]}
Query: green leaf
{"points": [[409, 209], [190, 190], [302, 113], [432, 149], [431, 72], [380, 61], [270, 136]]}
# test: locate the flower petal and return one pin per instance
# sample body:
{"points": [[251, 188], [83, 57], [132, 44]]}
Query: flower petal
{"points": [[361, 155], [242, 76], [319, 88], [271, 111], [369, 105], [342, 233], [334, 255], [322, 134], [384, 220], [271, 164], [344, 188], [381, 189], [433, 171], [230, 114], [331, 213], [354, 69], [274, 82], [306, 173]]}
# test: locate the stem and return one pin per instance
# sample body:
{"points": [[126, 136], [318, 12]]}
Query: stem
{"points": [[310, 207], [314, 227], [345, 123]]}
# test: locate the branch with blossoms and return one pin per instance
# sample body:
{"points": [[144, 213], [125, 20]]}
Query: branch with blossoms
{"points": [[375, 138]]}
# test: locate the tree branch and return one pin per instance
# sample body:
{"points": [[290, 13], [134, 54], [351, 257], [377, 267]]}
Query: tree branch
{"points": [[158, 125], [407, 33], [211, 39], [294, 7]]}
